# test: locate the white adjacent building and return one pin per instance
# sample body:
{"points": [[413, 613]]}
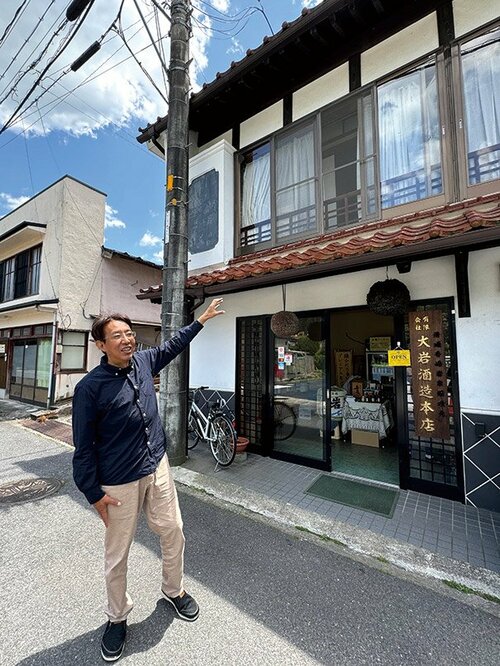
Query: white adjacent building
{"points": [[55, 277]]}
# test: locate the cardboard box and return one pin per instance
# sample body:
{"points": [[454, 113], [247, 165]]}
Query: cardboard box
{"points": [[365, 437]]}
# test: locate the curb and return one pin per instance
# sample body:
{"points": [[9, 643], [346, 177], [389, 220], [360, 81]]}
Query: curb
{"points": [[410, 558]]}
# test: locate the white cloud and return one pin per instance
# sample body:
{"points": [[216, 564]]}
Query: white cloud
{"points": [[149, 240], [310, 3], [10, 202], [110, 219], [106, 92], [236, 47], [221, 5], [158, 256]]}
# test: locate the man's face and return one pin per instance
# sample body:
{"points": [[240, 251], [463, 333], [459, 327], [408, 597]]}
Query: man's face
{"points": [[118, 343]]}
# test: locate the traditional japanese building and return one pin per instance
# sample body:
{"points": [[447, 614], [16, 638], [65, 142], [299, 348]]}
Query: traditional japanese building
{"points": [[347, 170]]}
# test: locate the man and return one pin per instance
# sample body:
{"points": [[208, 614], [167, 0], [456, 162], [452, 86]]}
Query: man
{"points": [[120, 463]]}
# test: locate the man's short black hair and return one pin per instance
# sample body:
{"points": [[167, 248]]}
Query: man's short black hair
{"points": [[102, 320]]}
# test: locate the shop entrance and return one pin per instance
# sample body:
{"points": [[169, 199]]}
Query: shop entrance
{"points": [[363, 396], [327, 398], [29, 372]]}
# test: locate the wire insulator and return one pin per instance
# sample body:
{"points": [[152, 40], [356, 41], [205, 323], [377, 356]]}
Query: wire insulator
{"points": [[86, 55], [76, 8]]}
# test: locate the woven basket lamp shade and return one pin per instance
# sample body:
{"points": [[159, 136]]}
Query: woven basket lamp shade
{"points": [[284, 324], [388, 297]]}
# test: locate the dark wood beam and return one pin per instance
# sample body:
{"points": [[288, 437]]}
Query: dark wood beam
{"points": [[462, 278]]}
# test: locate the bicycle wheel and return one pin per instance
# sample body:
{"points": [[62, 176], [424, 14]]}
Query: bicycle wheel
{"points": [[222, 440], [285, 421], [192, 433]]}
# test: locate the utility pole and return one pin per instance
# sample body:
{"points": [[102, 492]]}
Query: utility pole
{"points": [[173, 380]]}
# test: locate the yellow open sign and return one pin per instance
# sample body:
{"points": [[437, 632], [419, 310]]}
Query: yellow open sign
{"points": [[399, 357]]}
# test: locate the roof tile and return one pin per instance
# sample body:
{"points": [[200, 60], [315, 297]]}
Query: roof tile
{"points": [[449, 220]]}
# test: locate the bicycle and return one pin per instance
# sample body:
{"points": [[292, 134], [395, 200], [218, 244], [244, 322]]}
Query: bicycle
{"points": [[285, 420], [215, 428]]}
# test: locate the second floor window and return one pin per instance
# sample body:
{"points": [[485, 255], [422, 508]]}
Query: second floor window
{"points": [[256, 196], [480, 60], [385, 150], [295, 183], [20, 275], [409, 137]]}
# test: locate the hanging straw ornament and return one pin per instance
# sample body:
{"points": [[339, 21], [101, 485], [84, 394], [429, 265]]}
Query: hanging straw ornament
{"points": [[285, 324], [388, 297]]}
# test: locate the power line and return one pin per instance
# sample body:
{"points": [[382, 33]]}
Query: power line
{"points": [[21, 74], [19, 12], [63, 97], [38, 24], [162, 63], [143, 69], [58, 53]]}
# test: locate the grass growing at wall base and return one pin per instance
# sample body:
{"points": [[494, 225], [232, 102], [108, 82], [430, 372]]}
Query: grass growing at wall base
{"points": [[469, 590]]}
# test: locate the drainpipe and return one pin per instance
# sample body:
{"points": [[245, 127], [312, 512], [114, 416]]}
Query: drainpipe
{"points": [[52, 378]]}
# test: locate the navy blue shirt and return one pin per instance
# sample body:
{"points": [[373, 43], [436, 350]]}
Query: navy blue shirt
{"points": [[117, 431]]}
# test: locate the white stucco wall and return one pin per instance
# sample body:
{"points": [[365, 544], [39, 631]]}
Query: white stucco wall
{"points": [[468, 15], [220, 158], [320, 92], [81, 238], [263, 123], [478, 336], [404, 47], [213, 352]]}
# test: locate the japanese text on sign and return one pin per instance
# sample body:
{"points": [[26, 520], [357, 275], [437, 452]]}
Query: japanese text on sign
{"points": [[430, 396]]}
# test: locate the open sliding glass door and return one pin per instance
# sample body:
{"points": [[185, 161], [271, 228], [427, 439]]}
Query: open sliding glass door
{"points": [[300, 400]]}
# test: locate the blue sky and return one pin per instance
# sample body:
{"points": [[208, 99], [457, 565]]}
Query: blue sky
{"points": [[90, 133]]}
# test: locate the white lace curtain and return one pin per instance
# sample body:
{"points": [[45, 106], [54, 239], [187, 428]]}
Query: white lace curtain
{"points": [[409, 137], [481, 80]]}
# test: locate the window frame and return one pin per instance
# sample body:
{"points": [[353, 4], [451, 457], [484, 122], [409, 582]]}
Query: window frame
{"points": [[84, 347], [467, 191], [444, 197], [452, 151], [15, 292]]}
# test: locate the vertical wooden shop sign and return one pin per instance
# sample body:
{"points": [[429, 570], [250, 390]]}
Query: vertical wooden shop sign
{"points": [[430, 393]]}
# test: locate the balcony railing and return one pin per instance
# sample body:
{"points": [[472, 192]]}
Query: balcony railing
{"points": [[484, 164]]}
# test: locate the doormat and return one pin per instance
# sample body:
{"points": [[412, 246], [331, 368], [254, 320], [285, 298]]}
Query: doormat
{"points": [[376, 499]]}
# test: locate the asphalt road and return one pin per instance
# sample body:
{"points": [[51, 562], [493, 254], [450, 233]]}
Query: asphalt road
{"points": [[267, 595]]}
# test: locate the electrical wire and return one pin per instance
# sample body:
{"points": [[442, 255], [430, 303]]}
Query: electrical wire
{"points": [[63, 97], [19, 12], [37, 25], [58, 53], [144, 70], [162, 63], [16, 116], [21, 74]]}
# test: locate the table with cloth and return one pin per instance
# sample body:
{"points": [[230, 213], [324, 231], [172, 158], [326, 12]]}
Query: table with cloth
{"points": [[371, 416]]}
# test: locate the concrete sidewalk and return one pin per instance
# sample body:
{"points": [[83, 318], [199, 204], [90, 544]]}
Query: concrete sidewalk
{"points": [[426, 535]]}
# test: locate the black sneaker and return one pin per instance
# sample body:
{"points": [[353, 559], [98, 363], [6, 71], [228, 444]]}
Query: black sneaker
{"points": [[113, 640], [185, 606]]}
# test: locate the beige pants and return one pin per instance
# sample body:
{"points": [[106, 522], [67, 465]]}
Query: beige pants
{"points": [[156, 493]]}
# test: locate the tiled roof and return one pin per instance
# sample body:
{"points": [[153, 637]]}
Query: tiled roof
{"points": [[447, 221]]}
